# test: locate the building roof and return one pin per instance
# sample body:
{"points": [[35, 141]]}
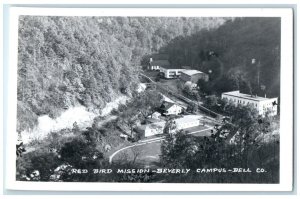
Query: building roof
{"points": [[246, 96], [152, 126], [187, 67], [157, 124], [172, 67], [153, 120], [187, 119], [191, 72], [166, 105], [161, 63], [140, 128]]}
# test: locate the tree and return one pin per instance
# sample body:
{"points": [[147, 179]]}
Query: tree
{"points": [[40, 162], [211, 101], [59, 63], [177, 149], [192, 107], [235, 143], [170, 126], [80, 154], [204, 87], [136, 152], [222, 52]]}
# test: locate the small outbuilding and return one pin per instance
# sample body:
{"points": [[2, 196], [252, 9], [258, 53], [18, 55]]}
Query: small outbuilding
{"points": [[150, 129]]}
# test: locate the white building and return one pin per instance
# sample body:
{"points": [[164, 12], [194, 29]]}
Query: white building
{"points": [[171, 72], [155, 115], [261, 104], [150, 129], [188, 121], [169, 108], [185, 122], [193, 76]]}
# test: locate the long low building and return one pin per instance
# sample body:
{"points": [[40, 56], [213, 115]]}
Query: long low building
{"points": [[188, 121], [261, 104], [185, 122], [171, 72]]}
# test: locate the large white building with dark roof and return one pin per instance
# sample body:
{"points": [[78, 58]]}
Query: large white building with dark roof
{"points": [[193, 76], [171, 72], [261, 104]]}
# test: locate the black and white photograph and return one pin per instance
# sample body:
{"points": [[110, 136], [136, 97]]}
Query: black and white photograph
{"points": [[149, 99]]}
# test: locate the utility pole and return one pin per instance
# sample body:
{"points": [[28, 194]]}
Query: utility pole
{"points": [[253, 61], [258, 73]]}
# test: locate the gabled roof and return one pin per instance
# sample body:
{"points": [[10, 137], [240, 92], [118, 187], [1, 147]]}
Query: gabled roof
{"points": [[187, 67], [172, 67], [155, 125], [246, 96], [164, 63], [188, 118], [166, 105], [191, 72]]}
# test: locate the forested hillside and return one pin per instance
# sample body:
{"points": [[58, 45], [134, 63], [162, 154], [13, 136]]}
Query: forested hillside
{"points": [[243, 53], [64, 61]]}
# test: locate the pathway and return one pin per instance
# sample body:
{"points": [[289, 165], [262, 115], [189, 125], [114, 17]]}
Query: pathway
{"points": [[148, 142]]}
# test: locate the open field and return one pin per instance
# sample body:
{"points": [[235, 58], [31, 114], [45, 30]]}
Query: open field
{"points": [[146, 155]]}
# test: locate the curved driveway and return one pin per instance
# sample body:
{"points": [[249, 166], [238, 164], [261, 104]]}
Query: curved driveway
{"points": [[148, 142]]}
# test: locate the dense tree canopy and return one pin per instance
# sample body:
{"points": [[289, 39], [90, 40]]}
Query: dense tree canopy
{"points": [[243, 53], [87, 60], [246, 140]]}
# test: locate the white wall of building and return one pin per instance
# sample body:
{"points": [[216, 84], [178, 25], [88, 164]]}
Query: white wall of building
{"points": [[182, 123], [154, 129], [174, 110], [262, 106], [150, 132], [168, 72], [153, 67], [188, 124], [188, 121]]}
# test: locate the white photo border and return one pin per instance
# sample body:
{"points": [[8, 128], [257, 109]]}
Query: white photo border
{"points": [[286, 94]]}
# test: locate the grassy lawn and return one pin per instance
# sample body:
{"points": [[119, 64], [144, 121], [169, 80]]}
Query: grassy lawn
{"points": [[147, 154], [171, 83], [151, 73]]}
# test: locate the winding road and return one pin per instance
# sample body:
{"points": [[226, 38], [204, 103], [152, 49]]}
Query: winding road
{"points": [[144, 142], [150, 141]]}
